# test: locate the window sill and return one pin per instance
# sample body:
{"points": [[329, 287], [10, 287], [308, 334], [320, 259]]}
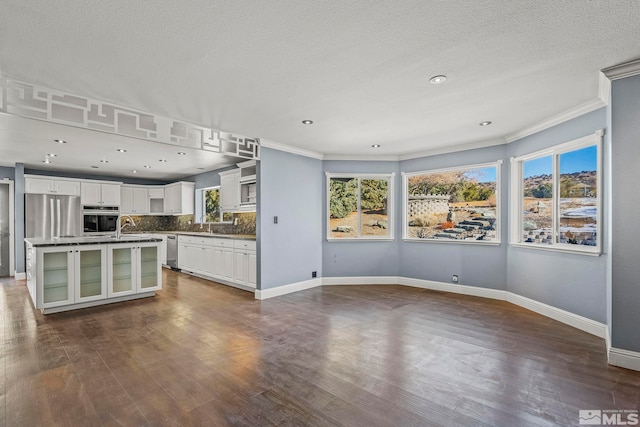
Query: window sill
{"points": [[594, 252], [452, 241]]}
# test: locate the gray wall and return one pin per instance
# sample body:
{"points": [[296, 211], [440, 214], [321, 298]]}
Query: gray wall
{"points": [[475, 265], [576, 283], [18, 209], [625, 272], [6, 172], [358, 258], [291, 249]]}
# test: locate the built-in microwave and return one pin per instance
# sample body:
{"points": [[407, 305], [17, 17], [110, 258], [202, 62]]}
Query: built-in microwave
{"points": [[99, 220]]}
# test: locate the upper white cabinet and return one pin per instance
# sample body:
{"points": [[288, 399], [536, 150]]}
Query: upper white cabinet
{"points": [[100, 194], [135, 200], [230, 190], [60, 187], [179, 198]]}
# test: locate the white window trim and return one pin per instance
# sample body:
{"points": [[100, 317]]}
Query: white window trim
{"points": [[390, 206], [515, 197], [406, 175], [204, 206]]}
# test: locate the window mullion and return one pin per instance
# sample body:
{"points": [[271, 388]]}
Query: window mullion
{"points": [[359, 210], [555, 220]]}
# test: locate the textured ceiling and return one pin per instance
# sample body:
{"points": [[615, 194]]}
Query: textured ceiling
{"points": [[359, 69]]}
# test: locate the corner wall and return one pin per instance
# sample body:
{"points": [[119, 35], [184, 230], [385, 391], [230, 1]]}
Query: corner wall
{"points": [[625, 271], [571, 282], [289, 187]]}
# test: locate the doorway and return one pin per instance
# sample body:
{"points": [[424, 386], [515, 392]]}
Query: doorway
{"points": [[6, 228]]}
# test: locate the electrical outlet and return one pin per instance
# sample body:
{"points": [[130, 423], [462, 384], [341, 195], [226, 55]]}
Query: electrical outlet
{"points": [[454, 278], [314, 274]]}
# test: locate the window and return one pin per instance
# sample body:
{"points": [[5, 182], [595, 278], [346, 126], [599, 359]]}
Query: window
{"points": [[211, 211], [556, 197], [359, 206], [455, 205]]}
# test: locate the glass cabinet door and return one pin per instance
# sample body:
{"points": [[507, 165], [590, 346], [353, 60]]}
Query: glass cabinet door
{"points": [[91, 274], [57, 277], [150, 268], [122, 280]]}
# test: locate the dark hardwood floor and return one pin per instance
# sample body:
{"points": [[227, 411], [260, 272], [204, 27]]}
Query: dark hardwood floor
{"points": [[204, 354]]}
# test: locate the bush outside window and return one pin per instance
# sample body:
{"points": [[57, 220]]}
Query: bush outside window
{"points": [[456, 205], [359, 206], [556, 199]]}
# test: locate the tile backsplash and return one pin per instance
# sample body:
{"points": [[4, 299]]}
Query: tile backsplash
{"points": [[246, 224]]}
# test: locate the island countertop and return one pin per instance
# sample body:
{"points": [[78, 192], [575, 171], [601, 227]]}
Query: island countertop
{"points": [[200, 234], [89, 240]]}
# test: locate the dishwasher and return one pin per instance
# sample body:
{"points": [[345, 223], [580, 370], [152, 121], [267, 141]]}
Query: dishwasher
{"points": [[172, 251]]}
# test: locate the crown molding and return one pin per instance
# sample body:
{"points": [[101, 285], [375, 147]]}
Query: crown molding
{"points": [[455, 148], [569, 114], [604, 88], [624, 70], [372, 158], [290, 149]]}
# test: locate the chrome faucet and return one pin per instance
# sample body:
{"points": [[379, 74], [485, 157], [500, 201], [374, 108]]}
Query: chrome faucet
{"points": [[119, 227], [202, 223]]}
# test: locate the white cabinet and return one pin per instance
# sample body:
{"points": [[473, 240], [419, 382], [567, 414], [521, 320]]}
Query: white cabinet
{"points": [[195, 254], [179, 198], [156, 200], [133, 268], [230, 190], [68, 275], [60, 187], [229, 260], [244, 271], [134, 200], [100, 194]]}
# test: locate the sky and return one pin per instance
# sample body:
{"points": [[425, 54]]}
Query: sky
{"points": [[482, 174], [584, 159]]}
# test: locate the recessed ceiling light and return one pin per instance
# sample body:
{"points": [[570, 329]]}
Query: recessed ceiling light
{"points": [[134, 171], [181, 153], [307, 122], [94, 167], [147, 167], [375, 146], [60, 141], [200, 169], [52, 155], [436, 80], [162, 161], [487, 123], [46, 160], [104, 161], [122, 150]]}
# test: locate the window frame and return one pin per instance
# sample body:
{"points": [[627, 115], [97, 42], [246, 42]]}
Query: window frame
{"points": [[204, 207], [517, 195], [360, 176], [405, 201]]}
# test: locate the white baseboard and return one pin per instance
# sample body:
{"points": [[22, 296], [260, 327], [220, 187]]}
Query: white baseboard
{"points": [[361, 280], [287, 289], [453, 288], [591, 326], [624, 358], [607, 340], [20, 276]]}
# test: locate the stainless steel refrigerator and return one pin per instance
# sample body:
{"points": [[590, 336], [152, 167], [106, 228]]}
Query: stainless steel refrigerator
{"points": [[48, 217]]}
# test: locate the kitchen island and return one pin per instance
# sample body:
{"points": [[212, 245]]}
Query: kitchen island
{"points": [[77, 272]]}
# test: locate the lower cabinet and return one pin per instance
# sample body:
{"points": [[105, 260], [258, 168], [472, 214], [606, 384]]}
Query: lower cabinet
{"points": [[229, 260], [70, 275], [134, 268]]}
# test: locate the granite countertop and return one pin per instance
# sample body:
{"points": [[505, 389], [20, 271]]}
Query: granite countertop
{"points": [[90, 240], [202, 234]]}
